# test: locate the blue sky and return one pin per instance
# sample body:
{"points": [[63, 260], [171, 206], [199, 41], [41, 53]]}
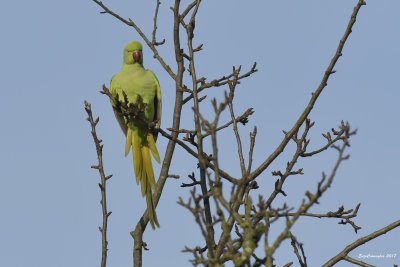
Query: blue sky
{"points": [[56, 54]]}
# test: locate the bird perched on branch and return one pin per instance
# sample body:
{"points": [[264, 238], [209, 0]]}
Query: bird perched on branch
{"points": [[139, 84]]}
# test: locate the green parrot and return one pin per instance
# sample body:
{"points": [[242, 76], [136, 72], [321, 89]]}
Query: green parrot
{"points": [[134, 80]]}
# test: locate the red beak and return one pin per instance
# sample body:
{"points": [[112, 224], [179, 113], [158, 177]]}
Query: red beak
{"points": [[136, 55]]}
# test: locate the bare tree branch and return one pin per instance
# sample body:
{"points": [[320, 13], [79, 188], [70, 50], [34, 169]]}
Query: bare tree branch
{"points": [[357, 262], [153, 41], [302, 259], [313, 198], [330, 142], [315, 94], [207, 209], [341, 255], [130, 23], [221, 81], [232, 86], [102, 185]]}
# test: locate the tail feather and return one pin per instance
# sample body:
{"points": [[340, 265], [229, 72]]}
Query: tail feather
{"points": [[144, 171], [153, 148], [151, 210], [137, 159], [148, 166], [143, 180], [128, 142]]}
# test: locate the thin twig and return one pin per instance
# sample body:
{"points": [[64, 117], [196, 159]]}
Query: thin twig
{"points": [[357, 262], [187, 10], [290, 165], [130, 23], [232, 86], [243, 119], [340, 256], [153, 41], [302, 259], [252, 143], [102, 185], [222, 81], [330, 142]]}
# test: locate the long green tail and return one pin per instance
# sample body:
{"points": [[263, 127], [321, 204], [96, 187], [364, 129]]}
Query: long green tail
{"points": [[144, 170]]}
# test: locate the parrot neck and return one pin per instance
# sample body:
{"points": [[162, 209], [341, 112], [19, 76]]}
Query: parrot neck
{"points": [[130, 67]]}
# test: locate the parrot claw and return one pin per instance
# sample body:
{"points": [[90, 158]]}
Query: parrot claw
{"points": [[155, 126]]}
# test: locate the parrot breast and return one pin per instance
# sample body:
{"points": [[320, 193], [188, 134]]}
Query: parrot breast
{"points": [[134, 81]]}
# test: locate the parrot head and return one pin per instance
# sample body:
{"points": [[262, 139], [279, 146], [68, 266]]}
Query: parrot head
{"points": [[133, 53]]}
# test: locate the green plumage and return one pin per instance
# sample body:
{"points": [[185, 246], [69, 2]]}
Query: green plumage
{"points": [[134, 80]]}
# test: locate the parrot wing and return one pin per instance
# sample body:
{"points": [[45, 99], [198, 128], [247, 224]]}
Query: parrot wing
{"points": [[118, 116], [157, 105], [121, 121]]}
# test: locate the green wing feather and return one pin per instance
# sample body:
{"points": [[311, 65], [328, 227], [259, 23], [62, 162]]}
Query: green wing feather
{"points": [[157, 104]]}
